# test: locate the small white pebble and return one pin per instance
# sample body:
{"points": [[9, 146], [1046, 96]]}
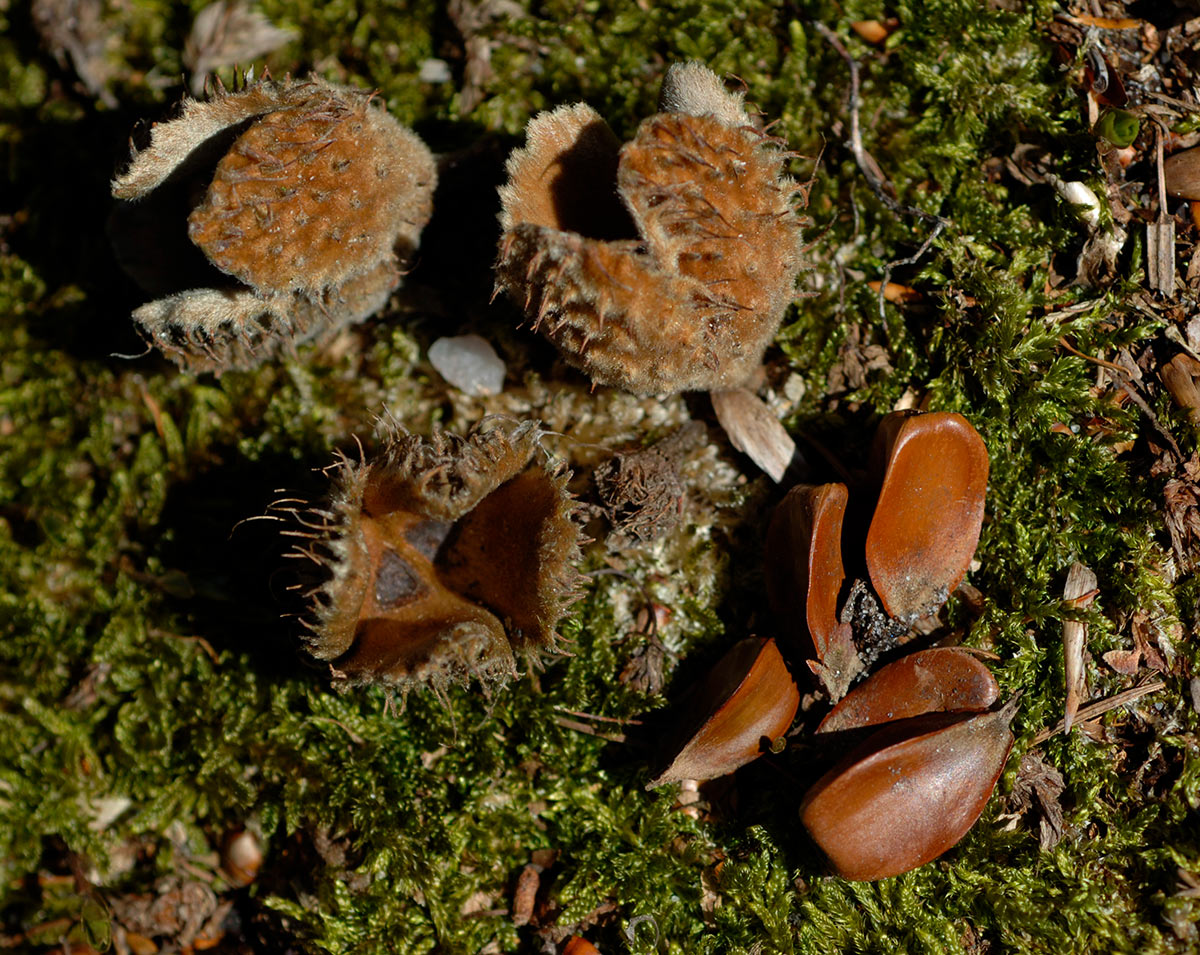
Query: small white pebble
{"points": [[794, 388], [469, 363], [434, 71]]}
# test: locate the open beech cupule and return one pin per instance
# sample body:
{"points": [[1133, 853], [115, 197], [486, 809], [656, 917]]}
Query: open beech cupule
{"points": [[663, 265], [269, 216], [440, 559]]}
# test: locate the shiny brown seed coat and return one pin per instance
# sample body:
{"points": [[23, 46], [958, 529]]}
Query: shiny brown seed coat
{"points": [[911, 791], [1181, 174], [748, 701], [804, 580], [941, 680], [804, 564], [929, 513]]}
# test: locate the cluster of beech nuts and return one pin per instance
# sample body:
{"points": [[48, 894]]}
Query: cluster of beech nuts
{"points": [[924, 742], [280, 212]]}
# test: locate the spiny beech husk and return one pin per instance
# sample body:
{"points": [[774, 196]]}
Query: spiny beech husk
{"points": [[663, 265], [911, 791], [302, 201], [941, 680], [440, 558], [930, 510], [804, 580], [746, 703]]}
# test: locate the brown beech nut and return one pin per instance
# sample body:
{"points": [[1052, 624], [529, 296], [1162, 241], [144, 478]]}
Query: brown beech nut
{"points": [[579, 946], [911, 791], [805, 575], [1181, 174], [929, 512], [662, 265], [439, 559], [746, 703], [941, 680]]}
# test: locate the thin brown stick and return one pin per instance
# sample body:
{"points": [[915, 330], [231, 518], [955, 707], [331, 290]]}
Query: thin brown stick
{"points": [[595, 716], [1096, 361], [584, 728], [872, 172], [1092, 710]]}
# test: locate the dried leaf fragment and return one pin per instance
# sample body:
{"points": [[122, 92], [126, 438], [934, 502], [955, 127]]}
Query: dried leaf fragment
{"points": [[1079, 591], [754, 430], [227, 33], [1037, 791], [79, 32], [1160, 254]]}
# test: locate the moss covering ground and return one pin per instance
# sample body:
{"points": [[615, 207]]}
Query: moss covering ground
{"points": [[152, 702]]}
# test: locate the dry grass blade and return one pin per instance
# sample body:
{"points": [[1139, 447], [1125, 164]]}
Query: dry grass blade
{"points": [[1101, 707], [1079, 591], [1160, 237]]}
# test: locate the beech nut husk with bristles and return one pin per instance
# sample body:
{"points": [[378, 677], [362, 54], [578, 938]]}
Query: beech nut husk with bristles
{"points": [[746, 703], [663, 265], [440, 560], [911, 791], [269, 216]]}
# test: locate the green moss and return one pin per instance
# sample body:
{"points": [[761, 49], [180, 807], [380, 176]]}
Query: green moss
{"points": [[144, 670]]}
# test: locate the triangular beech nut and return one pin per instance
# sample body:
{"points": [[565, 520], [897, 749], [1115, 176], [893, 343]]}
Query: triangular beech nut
{"points": [[941, 680], [910, 792], [746, 702], [804, 581], [929, 512]]}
